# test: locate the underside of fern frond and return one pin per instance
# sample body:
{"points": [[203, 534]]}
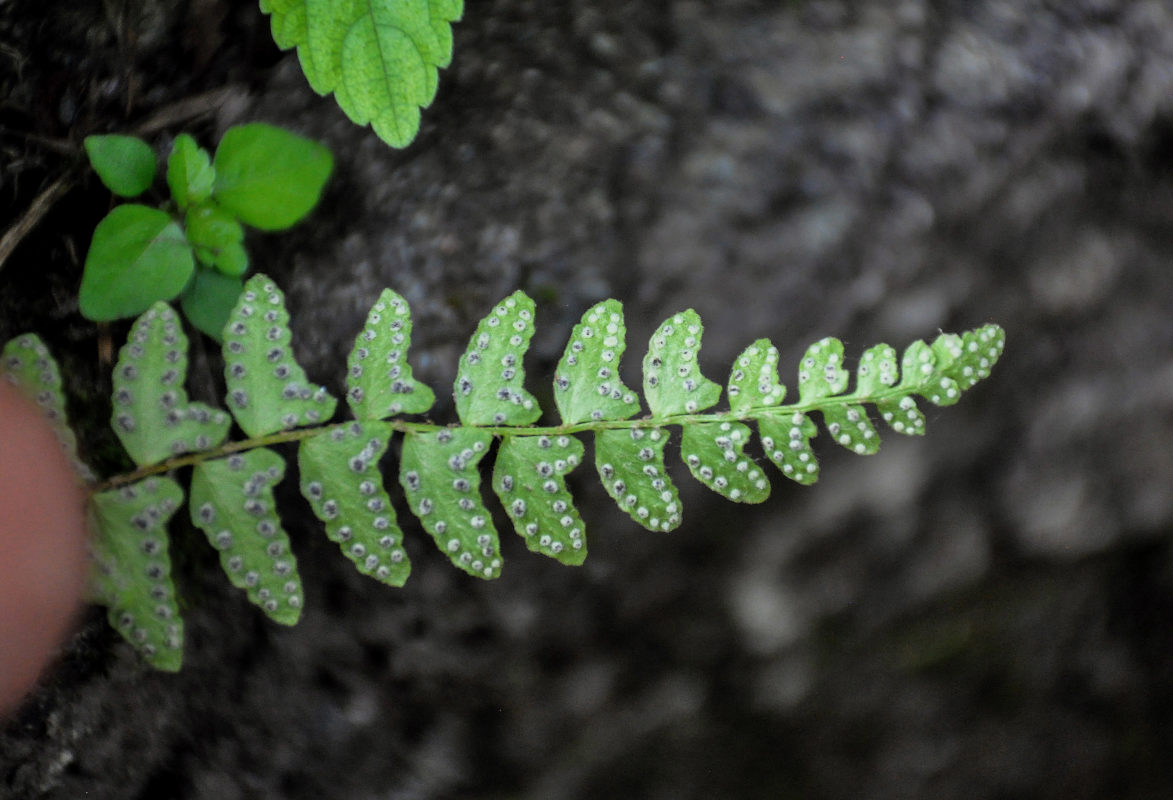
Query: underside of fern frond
{"points": [[231, 487]]}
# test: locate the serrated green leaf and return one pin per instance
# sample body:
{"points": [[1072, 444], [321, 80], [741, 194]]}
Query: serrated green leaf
{"points": [[529, 478], [132, 567], [208, 300], [489, 388], [787, 444], [269, 177], [138, 255], [125, 164], [267, 388], [341, 480], [438, 472], [379, 57], [27, 364], [287, 18], [379, 380], [232, 503], [850, 428], [587, 386], [631, 464], [151, 414], [190, 175], [714, 454], [821, 373], [753, 381], [673, 383]]}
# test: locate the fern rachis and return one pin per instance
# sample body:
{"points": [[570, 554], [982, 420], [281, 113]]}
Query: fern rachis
{"points": [[231, 492]]}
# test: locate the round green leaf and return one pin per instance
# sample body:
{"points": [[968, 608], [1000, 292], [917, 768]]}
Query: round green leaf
{"points": [[125, 164], [189, 172], [209, 300], [138, 255], [268, 177]]}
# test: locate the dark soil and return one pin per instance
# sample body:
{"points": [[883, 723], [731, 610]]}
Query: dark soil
{"points": [[984, 612]]}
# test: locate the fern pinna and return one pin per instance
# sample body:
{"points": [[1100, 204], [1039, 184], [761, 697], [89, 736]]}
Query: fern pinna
{"points": [[231, 496]]}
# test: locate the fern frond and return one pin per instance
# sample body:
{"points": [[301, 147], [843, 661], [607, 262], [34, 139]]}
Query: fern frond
{"points": [[232, 483]]}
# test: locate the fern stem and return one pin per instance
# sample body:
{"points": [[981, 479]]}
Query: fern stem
{"points": [[408, 427]]}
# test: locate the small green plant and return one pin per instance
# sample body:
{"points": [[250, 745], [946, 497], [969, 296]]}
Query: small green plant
{"points": [[380, 58], [231, 496], [193, 247]]}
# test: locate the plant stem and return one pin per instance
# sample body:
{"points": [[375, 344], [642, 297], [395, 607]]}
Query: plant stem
{"points": [[409, 428]]}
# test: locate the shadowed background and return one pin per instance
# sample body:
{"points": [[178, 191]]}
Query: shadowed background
{"points": [[984, 612]]}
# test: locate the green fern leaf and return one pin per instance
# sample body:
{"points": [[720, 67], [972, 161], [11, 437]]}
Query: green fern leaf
{"points": [[631, 464], [713, 453], [232, 498], [878, 369], [151, 413], [529, 478], [379, 57], [27, 364], [787, 442], [438, 472], [753, 382], [850, 428], [132, 575], [489, 386], [340, 478], [821, 373], [587, 386], [379, 378], [964, 360], [232, 502], [673, 383], [267, 388]]}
